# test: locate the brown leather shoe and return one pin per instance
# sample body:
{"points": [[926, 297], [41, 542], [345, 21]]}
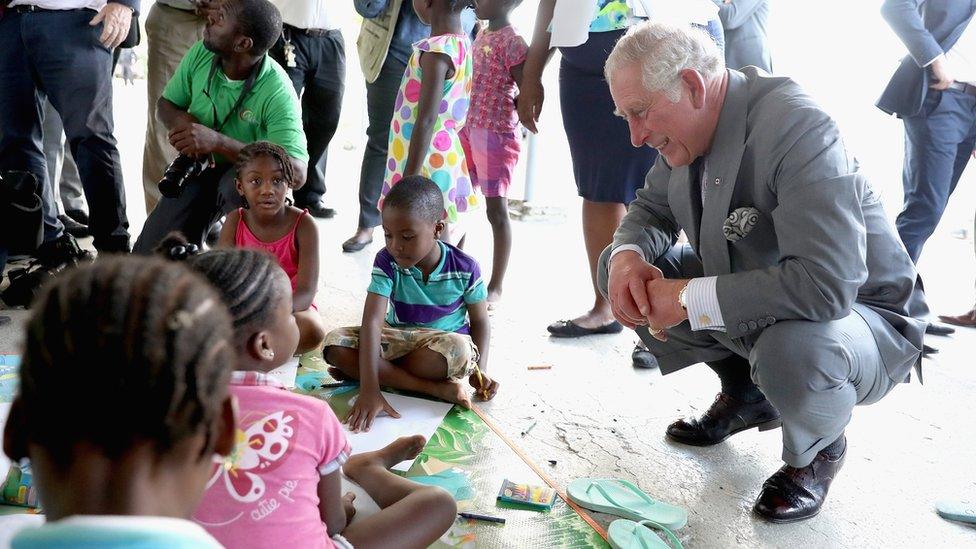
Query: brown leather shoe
{"points": [[793, 494], [966, 320], [726, 417]]}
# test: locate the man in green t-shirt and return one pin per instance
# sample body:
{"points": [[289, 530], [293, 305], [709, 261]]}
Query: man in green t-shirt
{"points": [[207, 117]]}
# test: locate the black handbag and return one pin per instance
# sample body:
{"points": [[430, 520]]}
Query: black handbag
{"points": [[21, 223]]}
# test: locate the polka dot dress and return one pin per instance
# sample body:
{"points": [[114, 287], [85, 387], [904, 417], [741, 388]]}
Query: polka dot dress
{"points": [[445, 163]]}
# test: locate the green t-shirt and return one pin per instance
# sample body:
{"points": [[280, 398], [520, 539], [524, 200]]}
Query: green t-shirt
{"points": [[270, 112]]}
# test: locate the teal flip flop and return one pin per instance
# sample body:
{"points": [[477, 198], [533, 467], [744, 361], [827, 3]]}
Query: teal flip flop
{"points": [[962, 511], [627, 534], [624, 499]]}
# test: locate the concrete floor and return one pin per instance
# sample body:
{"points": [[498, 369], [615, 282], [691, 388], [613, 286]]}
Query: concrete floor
{"points": [[597, 416]]}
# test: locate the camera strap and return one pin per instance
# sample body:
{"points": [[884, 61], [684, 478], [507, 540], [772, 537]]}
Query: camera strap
{"points": [[248, 85]]}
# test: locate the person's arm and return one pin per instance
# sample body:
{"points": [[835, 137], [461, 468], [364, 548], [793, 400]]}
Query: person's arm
{"points": [[531, 93], [115, 18], [228, 233], [434, 67], [370, 401], [486, 387], [735, 13], [172, 116], [904, 18], [334, 508], [646, 233], [307, 280]]}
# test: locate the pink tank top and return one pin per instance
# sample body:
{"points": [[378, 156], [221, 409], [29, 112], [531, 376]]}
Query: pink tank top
{"points": [[284, 249]]}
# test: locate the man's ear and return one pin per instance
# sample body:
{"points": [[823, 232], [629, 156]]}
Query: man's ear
{"points": [[439, 228], [15, 432], [226, 427], [695, 83], [243, 44]]}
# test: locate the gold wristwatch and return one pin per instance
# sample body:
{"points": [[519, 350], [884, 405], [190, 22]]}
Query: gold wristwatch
{"points": [[683, 297]]}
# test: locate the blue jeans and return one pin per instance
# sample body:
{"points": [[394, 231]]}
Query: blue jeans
{"points": [[57, 55], [938, 144]]}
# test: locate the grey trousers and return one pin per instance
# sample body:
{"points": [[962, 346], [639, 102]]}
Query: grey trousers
{"points": [[814, 373], [61, 169]]}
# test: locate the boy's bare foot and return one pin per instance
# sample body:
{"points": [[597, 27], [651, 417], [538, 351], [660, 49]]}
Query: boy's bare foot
{"points": [[452, 391], [401, 449]]}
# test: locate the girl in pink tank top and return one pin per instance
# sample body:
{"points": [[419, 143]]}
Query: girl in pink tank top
{"points": [[268, 222]]}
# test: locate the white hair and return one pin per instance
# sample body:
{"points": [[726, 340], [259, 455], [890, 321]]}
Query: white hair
{"points": [[662, 51]]}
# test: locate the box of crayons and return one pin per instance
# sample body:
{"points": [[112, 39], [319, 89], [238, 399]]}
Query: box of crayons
{"points": [[538, 498]]}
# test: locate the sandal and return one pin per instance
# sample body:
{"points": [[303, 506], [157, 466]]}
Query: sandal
{"points": [[624, 499], [627, 534]]}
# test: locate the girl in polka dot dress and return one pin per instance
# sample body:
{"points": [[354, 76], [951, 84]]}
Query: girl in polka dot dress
{"points": [[431, 108]]}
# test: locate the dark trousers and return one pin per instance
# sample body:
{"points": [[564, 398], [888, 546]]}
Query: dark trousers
{"points": [[203, 201], [319, 80], [57, 55], [938, 144], [380, 97]]}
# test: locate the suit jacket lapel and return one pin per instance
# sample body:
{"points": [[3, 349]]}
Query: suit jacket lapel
{"points": [[681, 192], [721, 170]]}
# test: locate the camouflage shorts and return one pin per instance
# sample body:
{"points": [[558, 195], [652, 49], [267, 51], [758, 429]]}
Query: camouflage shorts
{"points": [[458, 349]]}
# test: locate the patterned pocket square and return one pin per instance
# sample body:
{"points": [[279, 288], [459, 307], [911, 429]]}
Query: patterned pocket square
{"points": [[739, 223]]}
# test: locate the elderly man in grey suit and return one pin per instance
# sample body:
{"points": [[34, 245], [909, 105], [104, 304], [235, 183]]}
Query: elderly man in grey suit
{"points": [[744, 24], [794, 288]]}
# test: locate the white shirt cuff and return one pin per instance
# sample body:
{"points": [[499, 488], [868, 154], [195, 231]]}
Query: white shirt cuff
{"points": [[703, 309], [624, 248]]}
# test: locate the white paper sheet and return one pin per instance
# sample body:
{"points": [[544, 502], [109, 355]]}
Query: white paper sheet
{"points": [[286, 373], [419, 416]]}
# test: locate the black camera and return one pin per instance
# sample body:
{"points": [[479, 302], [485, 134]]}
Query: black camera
{"points": [[181, 170]]}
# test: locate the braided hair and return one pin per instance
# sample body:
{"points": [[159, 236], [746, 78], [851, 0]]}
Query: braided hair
{"points": [[266, 149], [249, 280], [124, 351]]}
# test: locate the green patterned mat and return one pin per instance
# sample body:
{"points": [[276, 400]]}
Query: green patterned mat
{"points": [[470, 460]]}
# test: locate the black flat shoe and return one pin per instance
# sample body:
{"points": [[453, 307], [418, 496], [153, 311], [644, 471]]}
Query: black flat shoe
{"points": [[318, 210], [568, 328], [353, 245], [724, 418], [74, 228], [939, 330], [642, 358], [78, 215]]}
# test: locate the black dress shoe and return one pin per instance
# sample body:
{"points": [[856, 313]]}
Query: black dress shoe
{"points": [[568, 328], [73, 228], [794, 494], [78, 215], [318, 210], [939, 330], [64, 249], [726, 417], [642, 358]]}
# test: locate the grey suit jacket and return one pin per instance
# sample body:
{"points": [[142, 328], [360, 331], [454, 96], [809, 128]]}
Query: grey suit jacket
{"points": [[744, 22], [822, 245]]}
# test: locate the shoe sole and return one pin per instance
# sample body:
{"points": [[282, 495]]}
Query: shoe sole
{"points": [[766, 426], [775, 520]]}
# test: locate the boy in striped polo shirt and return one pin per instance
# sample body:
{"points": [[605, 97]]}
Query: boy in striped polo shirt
{"points": [[425, 322]]}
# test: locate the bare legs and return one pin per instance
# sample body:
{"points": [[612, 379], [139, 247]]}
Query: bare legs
{"points": [[421, 371], [600, 221], [412, 515], [501, 231], [311, 330]]}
